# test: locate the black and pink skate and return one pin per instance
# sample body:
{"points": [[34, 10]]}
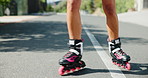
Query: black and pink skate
{"points": [[119, 57], [70, 68], [71, 61]]}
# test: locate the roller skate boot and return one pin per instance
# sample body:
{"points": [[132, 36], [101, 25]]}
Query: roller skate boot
{"points": [[119, 57], [71, 61]]}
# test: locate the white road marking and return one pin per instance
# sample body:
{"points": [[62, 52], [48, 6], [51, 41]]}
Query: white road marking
{"points": [[114, 70]]}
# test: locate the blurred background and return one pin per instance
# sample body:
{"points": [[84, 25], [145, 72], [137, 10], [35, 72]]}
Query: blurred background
{"points": [[25, 7]]}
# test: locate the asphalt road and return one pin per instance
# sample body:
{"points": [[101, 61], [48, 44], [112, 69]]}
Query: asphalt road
{"points": [[31, 49]]}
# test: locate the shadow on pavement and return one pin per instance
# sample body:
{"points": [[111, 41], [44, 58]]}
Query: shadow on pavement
{"points": [[48, 35], [33, 36], [89, 71], [137, 69], [41, 36], [101, 36]]}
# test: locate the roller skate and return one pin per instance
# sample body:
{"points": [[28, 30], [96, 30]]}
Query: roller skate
{"points": [[119, 57], [71, 61]]}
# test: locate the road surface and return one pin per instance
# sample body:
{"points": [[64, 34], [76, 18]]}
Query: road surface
{"points": [[31, 49]]}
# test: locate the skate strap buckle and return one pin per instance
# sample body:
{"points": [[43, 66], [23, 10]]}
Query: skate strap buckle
{"points": [[74, 51], [115, 50]]}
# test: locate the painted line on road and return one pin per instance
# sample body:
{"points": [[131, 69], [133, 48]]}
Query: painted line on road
{"points": [[114, 70]]}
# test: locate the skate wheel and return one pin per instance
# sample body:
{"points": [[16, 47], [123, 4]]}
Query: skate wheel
{"points": [[122, 66], [73, 70], [128, 66], [67, 71], [114, 63], [118, 65], [78, 68], [61, 70]]}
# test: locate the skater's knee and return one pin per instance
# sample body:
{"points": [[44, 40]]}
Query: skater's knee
{"points": [[109, 9], [73, 5]]}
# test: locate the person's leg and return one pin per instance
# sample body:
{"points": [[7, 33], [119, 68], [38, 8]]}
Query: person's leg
{"points": [[73, 19], [74, 23], [120, 58], [71, 61], [109, 7]]}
